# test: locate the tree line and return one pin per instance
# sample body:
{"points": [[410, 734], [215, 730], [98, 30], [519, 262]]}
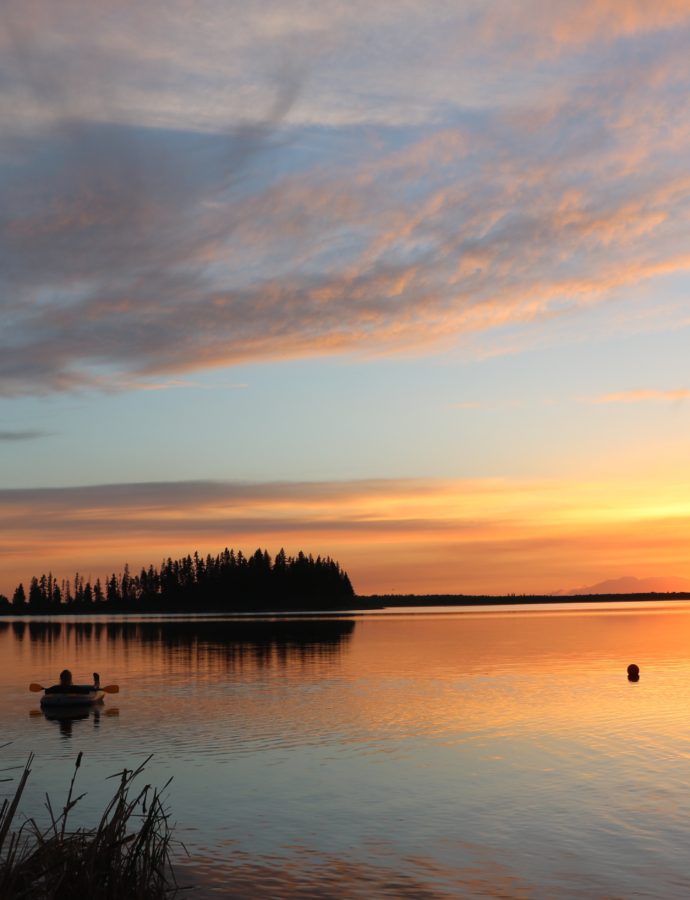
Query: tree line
{"points": [[223, 583]]}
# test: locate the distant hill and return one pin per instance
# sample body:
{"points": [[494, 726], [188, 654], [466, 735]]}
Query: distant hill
{"points": [[631, 585]]}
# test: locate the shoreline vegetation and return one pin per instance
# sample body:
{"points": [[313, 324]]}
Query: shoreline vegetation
{"points": [[233, 583], [127, 855], [227, 582]]}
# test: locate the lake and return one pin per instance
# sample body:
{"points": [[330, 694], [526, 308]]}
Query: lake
{"points": [[423, 753]]}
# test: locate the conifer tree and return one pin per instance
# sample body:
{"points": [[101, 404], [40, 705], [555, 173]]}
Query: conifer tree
{"points": [[19, 598]]}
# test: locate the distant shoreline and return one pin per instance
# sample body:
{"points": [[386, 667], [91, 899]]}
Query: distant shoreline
{"points": [[379, 601], [368, 603]]}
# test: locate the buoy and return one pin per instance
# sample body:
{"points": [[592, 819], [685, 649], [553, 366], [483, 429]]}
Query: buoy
{"points": [[633, 672]]}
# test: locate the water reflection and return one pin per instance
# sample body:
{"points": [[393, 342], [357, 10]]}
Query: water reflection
{"points": [[424, 756], [65, 716], [307, 874], [263, 643]]}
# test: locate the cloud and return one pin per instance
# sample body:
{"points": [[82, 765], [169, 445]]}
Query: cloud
{"points": [[550, 29], [28, 435], [640, 395], [146, 233], [415, 535]]}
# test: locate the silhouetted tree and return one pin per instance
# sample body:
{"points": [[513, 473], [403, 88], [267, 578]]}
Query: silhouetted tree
{"points": [[35, 596], [19, 599], [113, 591], [224, 582]]}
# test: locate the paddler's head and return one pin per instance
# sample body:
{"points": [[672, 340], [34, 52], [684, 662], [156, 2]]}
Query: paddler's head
{"points": [[65, 678]]}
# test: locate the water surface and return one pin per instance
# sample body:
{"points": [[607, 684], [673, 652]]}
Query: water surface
{"points": [[425, 753]]}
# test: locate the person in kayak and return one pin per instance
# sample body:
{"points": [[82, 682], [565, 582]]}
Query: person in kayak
{"points": [[67, 686]]}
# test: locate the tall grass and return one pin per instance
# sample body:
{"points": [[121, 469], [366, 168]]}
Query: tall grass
{"points": [[127, 855]]}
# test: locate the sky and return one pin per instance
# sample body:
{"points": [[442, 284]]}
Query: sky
{"points": [[402, 283]]}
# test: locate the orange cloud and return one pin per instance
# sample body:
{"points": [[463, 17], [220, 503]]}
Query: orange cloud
{"points": [[642, 394], [423, 536]]}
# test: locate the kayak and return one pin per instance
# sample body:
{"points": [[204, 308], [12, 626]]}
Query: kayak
{"points": [[85, 696]]}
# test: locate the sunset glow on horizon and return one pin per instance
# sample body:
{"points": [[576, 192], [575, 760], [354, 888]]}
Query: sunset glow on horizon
{"points": [[421, 536], [402, 284]]}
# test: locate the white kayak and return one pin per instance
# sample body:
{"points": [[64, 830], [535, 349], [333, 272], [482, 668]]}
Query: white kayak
{"points": [[69, 698]]}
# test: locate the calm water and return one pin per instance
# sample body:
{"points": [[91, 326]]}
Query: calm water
{"points": [[453, 754]]}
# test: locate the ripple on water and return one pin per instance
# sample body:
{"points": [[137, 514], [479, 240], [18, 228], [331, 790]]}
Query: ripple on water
{"points": [[442, 757]]}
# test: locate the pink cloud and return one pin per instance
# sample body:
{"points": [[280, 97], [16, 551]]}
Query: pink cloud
{"points": [[240, 245], [642, 394]]}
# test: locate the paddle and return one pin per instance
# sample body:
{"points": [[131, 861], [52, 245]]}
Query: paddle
{"points": [[108, 688]]}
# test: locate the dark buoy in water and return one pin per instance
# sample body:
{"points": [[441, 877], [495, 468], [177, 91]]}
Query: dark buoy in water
{"points": [[633, 672]]}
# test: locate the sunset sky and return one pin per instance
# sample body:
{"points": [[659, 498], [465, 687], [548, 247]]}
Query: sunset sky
{"points": [[406, 283]]}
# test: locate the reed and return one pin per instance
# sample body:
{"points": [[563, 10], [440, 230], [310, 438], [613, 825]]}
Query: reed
{"points": [[127, 855]]}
